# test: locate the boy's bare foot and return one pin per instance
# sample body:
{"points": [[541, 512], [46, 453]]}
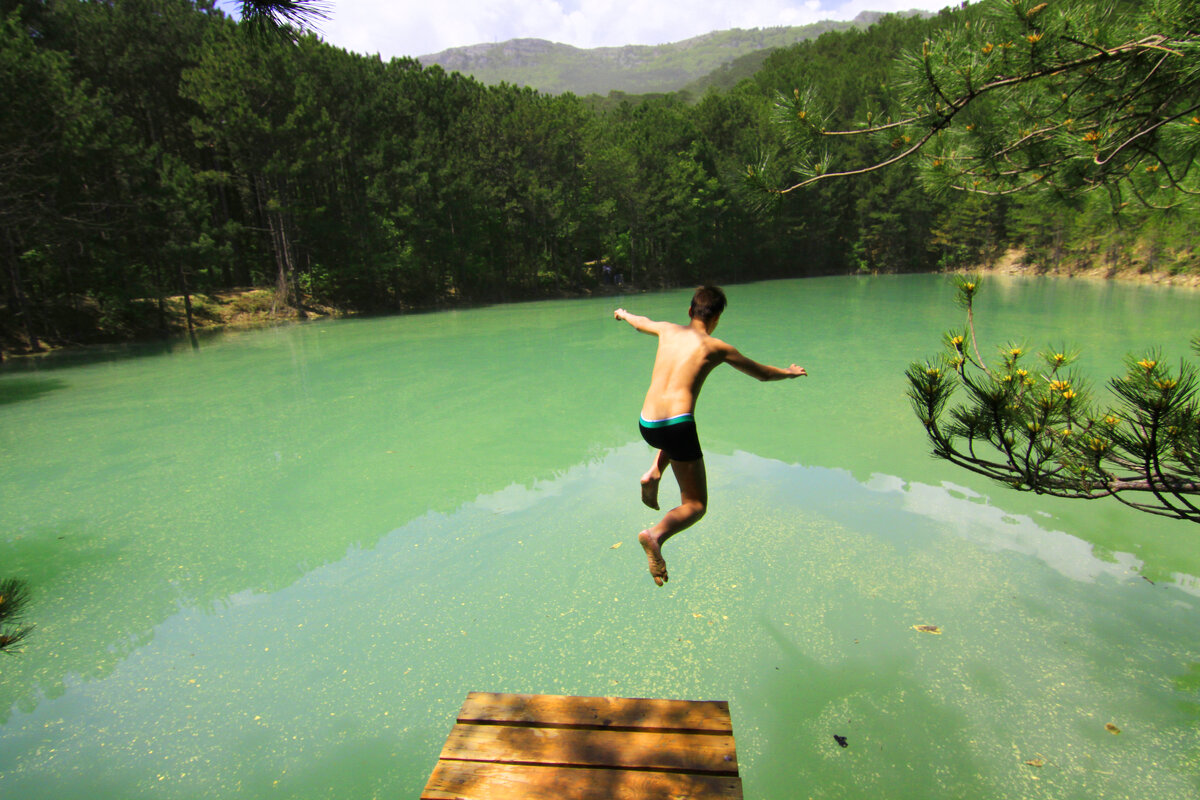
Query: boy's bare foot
{"points": [[658, 567], [650, 489]]}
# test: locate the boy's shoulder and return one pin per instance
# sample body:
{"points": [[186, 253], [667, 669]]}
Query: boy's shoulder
{"points": [[670, 328], [719, 345]]}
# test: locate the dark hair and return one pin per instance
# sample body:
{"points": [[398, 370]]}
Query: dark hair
{"points": [[707, 303]]}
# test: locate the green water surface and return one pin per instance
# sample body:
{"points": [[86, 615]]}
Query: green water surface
{"points": [[273, 567]]}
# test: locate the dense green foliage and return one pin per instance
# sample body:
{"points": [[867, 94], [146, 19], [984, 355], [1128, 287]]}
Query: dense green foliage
{"points": [[151, 150], [1018, 96]]}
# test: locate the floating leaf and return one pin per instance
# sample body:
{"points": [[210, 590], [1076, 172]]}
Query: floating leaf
{"points": [[1036, 762], [615, 546], [841, 740], [1113, 729], [927, 629]]}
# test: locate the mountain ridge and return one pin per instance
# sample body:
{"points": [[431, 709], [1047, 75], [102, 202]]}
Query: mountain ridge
{"points": [[555, 68]]}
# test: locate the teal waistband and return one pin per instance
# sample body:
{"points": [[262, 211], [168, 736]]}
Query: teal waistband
{"points": [[662, 423]]}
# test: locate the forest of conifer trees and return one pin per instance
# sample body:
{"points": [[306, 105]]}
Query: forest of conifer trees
{"points": [[152, 154]]}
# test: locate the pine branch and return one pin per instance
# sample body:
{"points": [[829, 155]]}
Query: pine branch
{"points": [[284, 17], [1037, 92], [1047, 435], [14, 596]]}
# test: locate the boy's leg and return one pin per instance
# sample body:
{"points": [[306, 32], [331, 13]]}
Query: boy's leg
{"points": [[693, 501], [652, 477]]}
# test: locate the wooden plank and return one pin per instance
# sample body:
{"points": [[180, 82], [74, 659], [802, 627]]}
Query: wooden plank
{"points": [[550, 747], [469, 780], [607, 712], [689, 752]]}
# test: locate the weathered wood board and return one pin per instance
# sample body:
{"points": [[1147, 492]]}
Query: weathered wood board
{"points": [[552, 747]]}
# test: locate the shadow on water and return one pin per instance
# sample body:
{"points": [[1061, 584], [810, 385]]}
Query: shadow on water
{"points": [[20, 390], [92, 354], [88, 355]]}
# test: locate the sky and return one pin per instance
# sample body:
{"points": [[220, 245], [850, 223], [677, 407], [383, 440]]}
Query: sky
{"points": [[396, 28]]}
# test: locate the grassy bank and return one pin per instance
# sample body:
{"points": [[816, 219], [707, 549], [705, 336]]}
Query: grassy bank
{"points": [[1181, 268]]}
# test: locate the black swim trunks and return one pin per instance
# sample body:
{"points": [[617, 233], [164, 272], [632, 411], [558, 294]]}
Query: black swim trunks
{"points": [[676, 436]]}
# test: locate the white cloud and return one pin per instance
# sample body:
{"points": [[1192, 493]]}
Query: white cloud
{"points": [[409, 28]]}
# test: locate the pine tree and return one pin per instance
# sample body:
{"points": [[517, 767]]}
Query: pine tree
{"points": [[1034, 426], [1055, 100], [1016, 95]]}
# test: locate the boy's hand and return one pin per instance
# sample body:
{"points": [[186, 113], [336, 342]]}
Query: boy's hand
{"points": [[796, 372], [619, 313]]}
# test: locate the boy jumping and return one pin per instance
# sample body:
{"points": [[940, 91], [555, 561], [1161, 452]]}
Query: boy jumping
{"points": [[686, 354]]}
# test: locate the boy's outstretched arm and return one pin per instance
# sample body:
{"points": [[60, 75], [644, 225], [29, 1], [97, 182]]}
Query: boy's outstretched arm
{"points": [[643, 324], [764, 372]]}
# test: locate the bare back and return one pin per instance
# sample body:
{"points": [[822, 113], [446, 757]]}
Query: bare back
{"points": [[686, 355]]}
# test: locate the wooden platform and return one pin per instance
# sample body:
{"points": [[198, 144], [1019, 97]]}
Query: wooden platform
{"points": [[551, 747]]}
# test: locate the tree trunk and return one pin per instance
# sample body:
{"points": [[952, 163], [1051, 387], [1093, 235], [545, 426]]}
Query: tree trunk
{"points": [[220, 222], [286, 225], [285, 268], [633, 259], [270, 217], [160, 289], [187, 305], [18, 296]]}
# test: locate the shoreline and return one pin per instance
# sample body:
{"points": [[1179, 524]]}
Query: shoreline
{"points": [[253, 307], [1013, 263], [246, 309]]}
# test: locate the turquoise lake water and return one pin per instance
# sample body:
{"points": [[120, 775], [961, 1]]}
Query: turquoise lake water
{"points": [[273, 567]]}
